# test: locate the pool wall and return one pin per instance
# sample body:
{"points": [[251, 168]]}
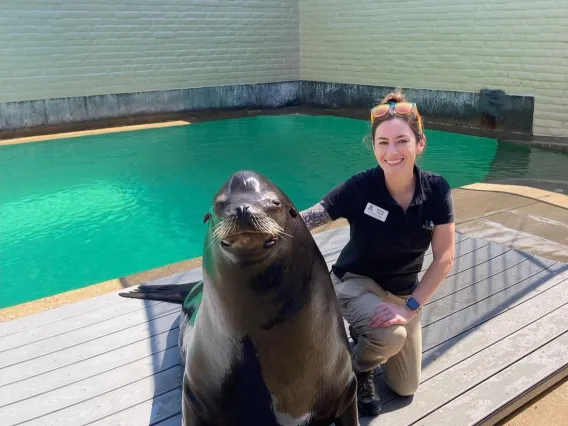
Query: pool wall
{"points": [[467, 111], [70, 63], [18, 116], [514, 114]]}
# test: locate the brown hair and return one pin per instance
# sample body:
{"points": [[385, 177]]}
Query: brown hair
{"points": [[411, 119]]}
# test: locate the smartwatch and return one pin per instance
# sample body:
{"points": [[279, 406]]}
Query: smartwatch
{"points": [[413, 304]]}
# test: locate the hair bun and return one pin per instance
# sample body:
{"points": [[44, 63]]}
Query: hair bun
{"points": [[396, 96]]}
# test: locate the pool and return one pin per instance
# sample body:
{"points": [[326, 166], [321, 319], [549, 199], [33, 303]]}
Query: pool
{"points": [[79, 211]]}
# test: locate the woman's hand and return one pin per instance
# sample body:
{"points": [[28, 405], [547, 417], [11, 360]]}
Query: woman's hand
{"points": [[388, 314]]}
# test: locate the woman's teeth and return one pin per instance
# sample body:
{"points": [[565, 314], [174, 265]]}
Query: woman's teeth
{"points": [[394, 163]]}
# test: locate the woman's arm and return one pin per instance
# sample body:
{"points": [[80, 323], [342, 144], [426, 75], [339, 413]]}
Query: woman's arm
{"points": [[443, 249], [315, 216]]}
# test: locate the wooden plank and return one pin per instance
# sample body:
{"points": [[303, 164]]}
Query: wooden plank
{"points": [[480, 271], [453, 351], [472, 259], [152, 412], [34, 366], [65, 375], [462, 248], [73, 311], [334, 240], [67, 312], [95, 409], [441, 389], [37, 334], [507, 282], [91, 387], [467, 318], [86, 334], [323, 237], [504, 387]]}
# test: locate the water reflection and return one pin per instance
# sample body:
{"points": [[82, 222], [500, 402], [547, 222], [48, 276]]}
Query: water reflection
{"points": [[516, 164]]}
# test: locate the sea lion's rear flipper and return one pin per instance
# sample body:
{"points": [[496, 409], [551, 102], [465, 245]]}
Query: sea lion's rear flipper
{"points": [[173, 293]]}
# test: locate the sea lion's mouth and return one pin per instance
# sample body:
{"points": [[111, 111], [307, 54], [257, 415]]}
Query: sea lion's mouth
{"points": [[248, 241]]}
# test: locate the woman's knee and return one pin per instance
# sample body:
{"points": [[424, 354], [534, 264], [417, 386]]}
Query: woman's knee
{"points": [[406, 386], [387, 340]]}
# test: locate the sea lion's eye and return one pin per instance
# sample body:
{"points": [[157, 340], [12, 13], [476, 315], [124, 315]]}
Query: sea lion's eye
{"points": [[220, 203], [293, 213], [277, 203], [221, 199]]}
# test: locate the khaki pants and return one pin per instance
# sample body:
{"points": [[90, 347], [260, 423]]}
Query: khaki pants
{"points": [[397, 348]]}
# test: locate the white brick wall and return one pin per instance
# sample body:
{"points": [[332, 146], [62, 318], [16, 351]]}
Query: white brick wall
{"points": [[520, 46], [60, 48]]}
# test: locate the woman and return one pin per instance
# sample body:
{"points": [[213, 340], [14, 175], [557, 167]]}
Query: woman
{"points": [[395, 211]]}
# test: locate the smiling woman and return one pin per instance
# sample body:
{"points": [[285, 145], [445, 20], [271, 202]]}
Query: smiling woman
{"points": [[395, 211]]}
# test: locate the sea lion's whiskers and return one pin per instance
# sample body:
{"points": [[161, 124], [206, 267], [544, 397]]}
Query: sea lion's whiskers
{"points": [[284, 233], [259, 222], [267, 225]]}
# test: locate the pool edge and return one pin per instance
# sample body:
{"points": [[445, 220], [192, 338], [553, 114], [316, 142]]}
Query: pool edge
{"points": [[98, 131]]}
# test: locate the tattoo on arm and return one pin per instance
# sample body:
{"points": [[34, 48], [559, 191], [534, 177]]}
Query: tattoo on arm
{"points": [[315, 216]]}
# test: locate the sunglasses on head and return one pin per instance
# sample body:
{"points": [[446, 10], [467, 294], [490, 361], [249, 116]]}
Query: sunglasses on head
{"points": [[401, 108]]}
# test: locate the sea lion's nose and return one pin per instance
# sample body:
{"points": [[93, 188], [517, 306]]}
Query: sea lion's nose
{"points": [[241, 210]]}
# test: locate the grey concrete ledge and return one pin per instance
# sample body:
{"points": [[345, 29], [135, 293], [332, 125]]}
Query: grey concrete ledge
{"points": [[496, 112], [47, 112]]}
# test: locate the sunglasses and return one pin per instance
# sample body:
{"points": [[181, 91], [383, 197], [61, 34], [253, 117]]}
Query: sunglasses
{"points": [[401, 108]]}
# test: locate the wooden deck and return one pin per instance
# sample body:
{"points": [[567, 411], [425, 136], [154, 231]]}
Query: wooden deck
{"points": [[493, 335]]}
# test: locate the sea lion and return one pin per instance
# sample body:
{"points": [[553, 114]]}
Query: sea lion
{"points": [[261, 336]]}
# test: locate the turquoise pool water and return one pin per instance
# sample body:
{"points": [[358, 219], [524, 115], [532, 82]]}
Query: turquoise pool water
{"points": [[78, 211]]}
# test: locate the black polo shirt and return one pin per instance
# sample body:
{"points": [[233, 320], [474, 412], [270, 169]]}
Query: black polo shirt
{"points": [[385, 243]]}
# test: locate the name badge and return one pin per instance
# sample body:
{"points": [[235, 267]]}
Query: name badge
{"points": [[376, 212]]}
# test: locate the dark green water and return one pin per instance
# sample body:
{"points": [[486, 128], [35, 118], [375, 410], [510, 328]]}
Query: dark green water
{"points": [[74, 212]]}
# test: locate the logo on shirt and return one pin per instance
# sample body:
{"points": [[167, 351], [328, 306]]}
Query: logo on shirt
{"points": [[428, 225], [376, 212]]}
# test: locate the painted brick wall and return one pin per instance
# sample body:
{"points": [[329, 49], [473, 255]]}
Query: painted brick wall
{"points": [[64, 48], [520, 46]]}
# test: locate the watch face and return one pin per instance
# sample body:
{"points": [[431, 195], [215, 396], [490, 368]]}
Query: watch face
{"points": [[413, 304]]}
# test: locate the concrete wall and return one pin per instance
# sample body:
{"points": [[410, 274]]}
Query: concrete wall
{"points": [[519, 46], [71, 48]]}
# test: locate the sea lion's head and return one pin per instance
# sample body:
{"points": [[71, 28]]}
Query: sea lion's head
{"points": [[250, 218]]}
